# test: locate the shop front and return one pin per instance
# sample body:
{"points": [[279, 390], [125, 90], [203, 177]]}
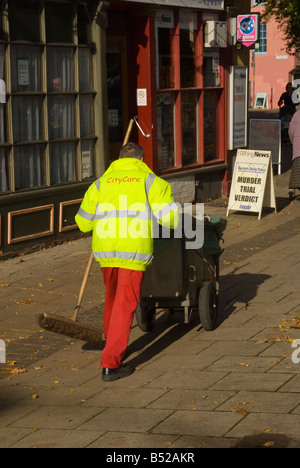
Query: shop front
{"points": [[51, 133], [73, 73], [168, 66]]}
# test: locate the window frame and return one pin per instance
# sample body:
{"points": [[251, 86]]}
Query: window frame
{"points": [[263, 26], [87, 141], [198, 89]]}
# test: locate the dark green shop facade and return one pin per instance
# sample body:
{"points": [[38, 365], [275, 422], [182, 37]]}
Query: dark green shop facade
{"points": [[51, 107]]}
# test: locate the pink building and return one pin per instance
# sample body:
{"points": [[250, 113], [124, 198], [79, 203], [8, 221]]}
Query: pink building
{"points": [[271, 68]]}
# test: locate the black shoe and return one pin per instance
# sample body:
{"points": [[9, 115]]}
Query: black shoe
{"points": [[114, 374]]}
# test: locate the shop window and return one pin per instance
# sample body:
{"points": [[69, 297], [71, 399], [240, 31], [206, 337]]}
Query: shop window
{"points": [[27, 118], [62, 162], [61, 116], [86, 116], [114, 90], [189, 92], [4, 181], [2, 104], [29, 166], [165, 46], [83, 22], [211, 75], [47, 128], [25, 68], [210, 125], [165, 130], [59, 22], [166, 68], [60, 67], [85, 69], [87, 156], [189, 127], [24, 22], [4, 185], [188, 71]]}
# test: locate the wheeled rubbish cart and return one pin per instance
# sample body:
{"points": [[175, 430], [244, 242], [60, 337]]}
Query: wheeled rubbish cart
{"points": [[184, 279]]}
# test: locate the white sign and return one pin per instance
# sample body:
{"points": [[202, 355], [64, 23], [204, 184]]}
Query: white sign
{"points": [[261, 101], [86, 164], [201, 4], [23, 71], [253, 183], [237, 107], [142, 97], [2, 92], [2, 352]]}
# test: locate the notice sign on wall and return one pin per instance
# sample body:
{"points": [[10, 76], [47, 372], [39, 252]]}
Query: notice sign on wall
{"points": [[253, 183]]}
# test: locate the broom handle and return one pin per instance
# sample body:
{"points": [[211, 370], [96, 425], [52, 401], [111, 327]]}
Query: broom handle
{"points": [[90, 261], [128, 132], [83, 285]]}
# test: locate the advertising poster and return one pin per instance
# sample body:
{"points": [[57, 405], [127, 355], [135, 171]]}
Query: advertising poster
{"points": [[253, 184]]}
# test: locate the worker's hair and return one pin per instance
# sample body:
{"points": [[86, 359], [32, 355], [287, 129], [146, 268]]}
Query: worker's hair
{"points": [[132, 150]]}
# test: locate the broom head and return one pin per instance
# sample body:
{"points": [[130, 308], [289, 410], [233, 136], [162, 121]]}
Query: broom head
{"points": [[69, 327]]}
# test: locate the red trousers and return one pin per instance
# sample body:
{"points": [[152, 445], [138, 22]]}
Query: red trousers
{"points": [[123, 290]]}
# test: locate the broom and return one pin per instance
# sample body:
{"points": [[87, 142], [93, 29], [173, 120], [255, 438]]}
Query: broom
{"points": [[70, 326]]}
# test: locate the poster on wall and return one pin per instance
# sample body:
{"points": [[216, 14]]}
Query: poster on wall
{"points": [[237, 107], [253, 183]]}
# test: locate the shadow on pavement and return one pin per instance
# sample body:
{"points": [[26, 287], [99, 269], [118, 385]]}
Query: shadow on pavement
{"points": [[264, 441], [238, 288], [169, 328], [154, 342]]}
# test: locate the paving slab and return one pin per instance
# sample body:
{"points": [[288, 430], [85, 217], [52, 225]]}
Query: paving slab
{"points": [[236, 386]]}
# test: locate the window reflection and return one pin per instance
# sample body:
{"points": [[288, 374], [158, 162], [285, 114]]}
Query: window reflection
{"points": [[24, 20], [166, 69], [27, 118], [210, 125], [187, 59], [25, 68], [59, 19], [211, 70], [188, 127], [114, 85], [29, 166], [165, 130]]}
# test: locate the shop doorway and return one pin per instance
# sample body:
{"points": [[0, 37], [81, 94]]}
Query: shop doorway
{"points": [[117, 89]]}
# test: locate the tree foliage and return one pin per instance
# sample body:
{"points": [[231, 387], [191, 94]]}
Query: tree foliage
{"points": [[287, 15]]}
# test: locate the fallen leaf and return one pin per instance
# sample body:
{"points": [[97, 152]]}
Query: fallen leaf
{"points": [[239, 410], [269, 444]]}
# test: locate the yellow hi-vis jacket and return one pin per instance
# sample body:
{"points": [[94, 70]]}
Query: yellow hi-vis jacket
{"points": [[119, 209]]}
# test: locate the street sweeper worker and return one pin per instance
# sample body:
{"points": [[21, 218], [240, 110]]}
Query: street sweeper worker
{"points": [[121, 208]]}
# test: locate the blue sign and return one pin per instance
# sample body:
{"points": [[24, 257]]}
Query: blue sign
{"points": [[247, 26]]}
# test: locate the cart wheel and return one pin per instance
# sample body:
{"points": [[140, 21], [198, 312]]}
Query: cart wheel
{"points": [[145, 317], [208, 306]]}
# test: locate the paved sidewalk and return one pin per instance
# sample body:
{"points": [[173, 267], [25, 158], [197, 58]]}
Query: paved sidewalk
{"points": [[234, 387]]}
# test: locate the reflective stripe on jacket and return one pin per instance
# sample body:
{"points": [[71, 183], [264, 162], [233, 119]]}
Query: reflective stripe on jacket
{"points": [[119, 209]]}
